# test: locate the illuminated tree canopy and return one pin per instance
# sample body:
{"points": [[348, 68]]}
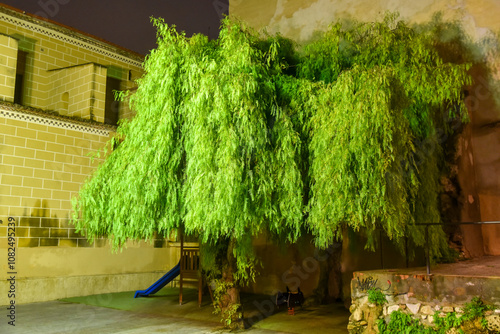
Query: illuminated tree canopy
{"points": [[249, 133]]}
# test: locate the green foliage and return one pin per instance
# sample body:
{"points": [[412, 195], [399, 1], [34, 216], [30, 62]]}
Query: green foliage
{"points": [[375, 296], [449, 321], [378, 166], [475, 310], [231, 312], [200, 153], [401, 322], [248, 134], [449, 255]]}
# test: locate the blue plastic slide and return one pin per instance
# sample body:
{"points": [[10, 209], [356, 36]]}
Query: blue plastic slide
{"points": [[164, 280]]}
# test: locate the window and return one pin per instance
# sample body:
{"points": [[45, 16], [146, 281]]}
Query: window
{"points": [[112, 107], [20, 75]]}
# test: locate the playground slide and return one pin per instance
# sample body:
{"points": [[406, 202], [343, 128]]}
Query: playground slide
{"points": [[164, 280]]}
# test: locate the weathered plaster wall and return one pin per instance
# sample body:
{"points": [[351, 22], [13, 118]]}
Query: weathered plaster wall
{"points": [[50, 273], [479, 145], [302, 265], [299, 19], [293, 266]]}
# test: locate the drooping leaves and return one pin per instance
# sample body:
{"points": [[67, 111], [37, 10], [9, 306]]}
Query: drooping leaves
{"points": [[247, 134]]}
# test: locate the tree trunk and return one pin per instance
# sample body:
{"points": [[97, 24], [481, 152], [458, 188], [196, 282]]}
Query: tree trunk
{"points": [[229, 298], [329, 287]]}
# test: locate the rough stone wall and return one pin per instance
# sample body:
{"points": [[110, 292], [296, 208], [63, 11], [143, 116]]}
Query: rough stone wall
{"points": [[420, 296], [478, 160]]}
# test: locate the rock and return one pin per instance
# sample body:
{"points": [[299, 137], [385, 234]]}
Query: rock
{"points": [[363, 300], [392, 308], [458, 309], [493, 323], [427, 310], [442, 314], [363, 323], [357, 315], [414, 308], [448, 309]]}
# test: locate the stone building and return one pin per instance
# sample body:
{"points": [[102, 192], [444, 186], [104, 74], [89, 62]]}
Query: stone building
{"points": [[56, 107]]}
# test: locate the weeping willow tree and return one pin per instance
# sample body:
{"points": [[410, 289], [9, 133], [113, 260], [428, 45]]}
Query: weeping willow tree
{"points": [[376, 135], [209, 152], [246, 134]]}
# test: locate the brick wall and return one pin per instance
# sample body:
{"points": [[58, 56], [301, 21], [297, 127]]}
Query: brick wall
{"points": [[8, 60], [44, 160], [43, 163], [85, 88], [50, 47]]}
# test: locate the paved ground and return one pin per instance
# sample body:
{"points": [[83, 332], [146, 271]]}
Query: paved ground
{"points": [[59, 317], [486, 266], [121, 313]]}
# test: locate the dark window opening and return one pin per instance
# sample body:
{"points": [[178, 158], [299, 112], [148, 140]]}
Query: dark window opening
{"points": [[112, 107], [20, 74]]}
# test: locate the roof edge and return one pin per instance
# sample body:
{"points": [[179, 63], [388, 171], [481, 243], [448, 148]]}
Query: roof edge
{"points": [[68, 30]]}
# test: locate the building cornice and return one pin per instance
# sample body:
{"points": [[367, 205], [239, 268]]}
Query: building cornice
{"points": [[38, 116], [69, 35]]}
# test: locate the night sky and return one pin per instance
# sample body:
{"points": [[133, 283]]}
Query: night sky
{"points": [[127, 22]]}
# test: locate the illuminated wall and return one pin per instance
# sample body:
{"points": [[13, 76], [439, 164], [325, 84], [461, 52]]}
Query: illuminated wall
{"points": [[478, 162], [45, 141]]}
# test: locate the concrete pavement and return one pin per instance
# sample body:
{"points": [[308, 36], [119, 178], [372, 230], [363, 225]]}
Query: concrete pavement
{"points": [[58, 317]]}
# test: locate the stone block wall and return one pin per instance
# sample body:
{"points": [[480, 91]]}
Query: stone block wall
{"points": [[44, 161], [421, 296], [79, 91], [51, 47], [8, 61]]}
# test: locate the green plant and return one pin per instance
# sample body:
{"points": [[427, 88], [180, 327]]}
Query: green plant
{"points": [[476, 309], [229, 312], [401, 322], [449, 321], [375, 296]]}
